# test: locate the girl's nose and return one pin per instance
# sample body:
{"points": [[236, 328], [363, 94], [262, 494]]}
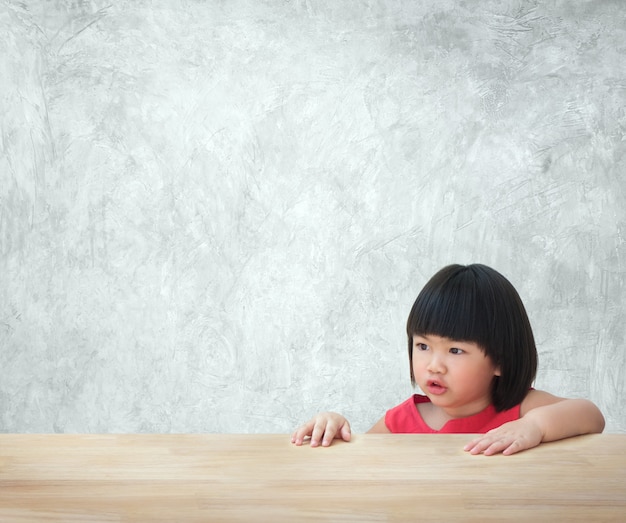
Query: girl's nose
{"points": [[436, 365]]}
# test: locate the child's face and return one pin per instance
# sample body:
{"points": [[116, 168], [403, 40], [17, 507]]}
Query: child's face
{"points": [[455, 375]]}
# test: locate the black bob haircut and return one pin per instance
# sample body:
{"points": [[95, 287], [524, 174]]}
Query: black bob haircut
{"points": [[476, 303]]}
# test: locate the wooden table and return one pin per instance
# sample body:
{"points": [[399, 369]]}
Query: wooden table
{"points": [[194, 477]]}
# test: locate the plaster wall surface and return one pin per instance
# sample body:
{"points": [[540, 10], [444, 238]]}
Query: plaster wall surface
{"points": [[215, 216]]}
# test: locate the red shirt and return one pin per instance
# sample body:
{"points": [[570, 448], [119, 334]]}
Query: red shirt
{"points": [[406, 419]]}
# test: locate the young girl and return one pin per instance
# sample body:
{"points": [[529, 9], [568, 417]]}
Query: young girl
{"points": [[472, 352]]}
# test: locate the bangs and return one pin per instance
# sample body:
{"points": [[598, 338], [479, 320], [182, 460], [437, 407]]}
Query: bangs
{"points": [[454, 307]]}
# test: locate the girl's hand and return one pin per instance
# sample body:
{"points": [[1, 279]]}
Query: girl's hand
{"points": [[508, 438], [323, 427]]}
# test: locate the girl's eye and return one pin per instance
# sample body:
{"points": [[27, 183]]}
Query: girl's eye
{"points": [[421, 346], [455, 350]]}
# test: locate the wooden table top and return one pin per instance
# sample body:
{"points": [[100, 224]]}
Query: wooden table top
{"points": [[211, 477]]}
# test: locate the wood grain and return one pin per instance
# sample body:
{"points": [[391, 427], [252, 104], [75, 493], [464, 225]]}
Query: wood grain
{"points": [[264, 478]]}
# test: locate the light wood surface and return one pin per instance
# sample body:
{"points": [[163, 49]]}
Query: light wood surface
{"points": [[190, 478]]}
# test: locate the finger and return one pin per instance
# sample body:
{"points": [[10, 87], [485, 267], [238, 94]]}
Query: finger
{"points": [[333, 432], [321, 430], [302, 432], [514, 447], [346, 432], [472, 444], [505, 445], [495, 448], [297, 438], [477, 446], [330, 433], [489, 446]]}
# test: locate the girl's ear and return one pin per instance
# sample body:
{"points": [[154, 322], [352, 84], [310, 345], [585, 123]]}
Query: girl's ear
{"points": [[497, 372]]}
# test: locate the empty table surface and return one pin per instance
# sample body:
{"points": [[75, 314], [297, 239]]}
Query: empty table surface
{"points": [[227, 477]]}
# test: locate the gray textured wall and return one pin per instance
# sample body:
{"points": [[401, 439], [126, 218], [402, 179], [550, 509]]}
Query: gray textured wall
{"points": [[215, 216]]}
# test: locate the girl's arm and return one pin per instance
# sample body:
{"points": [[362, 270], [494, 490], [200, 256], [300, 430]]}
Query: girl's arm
{"points": [[561, 418], [544, 417], [379, 427]]}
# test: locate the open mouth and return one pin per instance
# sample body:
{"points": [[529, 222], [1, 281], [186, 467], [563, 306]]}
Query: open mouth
{"points": [[434, 387]]}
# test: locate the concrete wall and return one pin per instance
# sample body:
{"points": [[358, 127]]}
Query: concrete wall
{"points": [[215, 216]]}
